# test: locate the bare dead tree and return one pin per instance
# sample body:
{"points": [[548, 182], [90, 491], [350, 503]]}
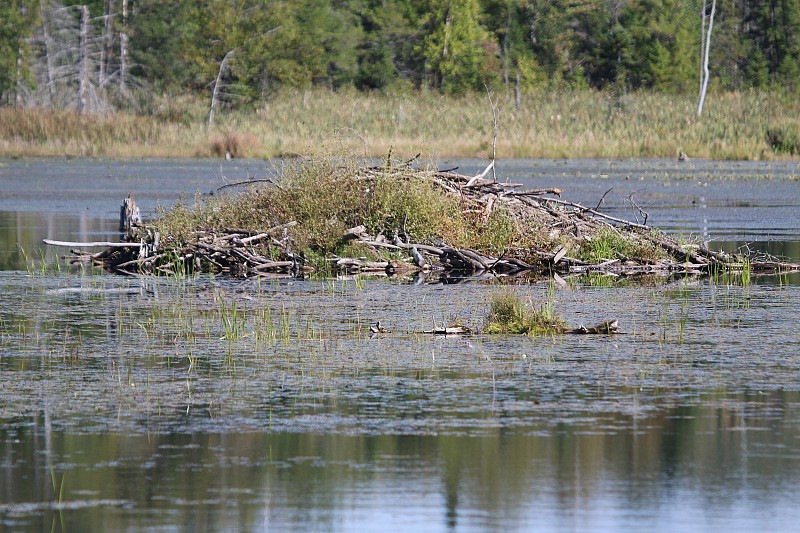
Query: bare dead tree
{"points": [[216, 92], [47, 43], [703, 15], [123, 50], [72, 57], [107, 47], [217, 86], [83, 69], [706, 39], [78, 61]]}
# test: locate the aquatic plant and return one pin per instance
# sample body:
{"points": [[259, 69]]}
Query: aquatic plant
{"points": [[233, 320], [508, 314], [609, 243]]}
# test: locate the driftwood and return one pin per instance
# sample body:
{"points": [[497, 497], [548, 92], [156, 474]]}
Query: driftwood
{"points": [[455, 329], [609, 327], [92, 244]]}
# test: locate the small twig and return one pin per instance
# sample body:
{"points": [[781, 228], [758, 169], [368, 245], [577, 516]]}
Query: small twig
{"points": [[248, 182], [408, 163], [642, 212], [494, 122], [597, 213], [602, 198]]}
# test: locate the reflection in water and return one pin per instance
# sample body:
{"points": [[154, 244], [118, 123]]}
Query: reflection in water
{"points": [[788, 250], [21, 235], [135, 396], [716, 462]]}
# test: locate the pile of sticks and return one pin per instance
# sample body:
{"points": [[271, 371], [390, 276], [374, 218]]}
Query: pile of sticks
{"points": [[268, 252]]}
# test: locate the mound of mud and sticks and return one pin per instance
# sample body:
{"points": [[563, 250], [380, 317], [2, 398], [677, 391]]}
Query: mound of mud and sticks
{"points": [[551, 236]]}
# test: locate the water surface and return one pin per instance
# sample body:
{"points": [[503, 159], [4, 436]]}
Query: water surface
{"points": [[221, 405]]}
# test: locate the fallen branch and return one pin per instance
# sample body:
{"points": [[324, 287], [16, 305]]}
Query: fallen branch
{"points": [[93, 244]]}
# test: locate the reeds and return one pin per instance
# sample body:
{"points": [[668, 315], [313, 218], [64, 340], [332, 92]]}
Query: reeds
{"points": [[571, 124], [508, 314]]}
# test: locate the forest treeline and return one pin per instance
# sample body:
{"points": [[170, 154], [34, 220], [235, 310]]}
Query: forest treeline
{"points": [[103, 54]]}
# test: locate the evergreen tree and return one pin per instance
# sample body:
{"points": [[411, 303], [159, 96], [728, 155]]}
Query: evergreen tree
{"points": [[161, 34], [17, 18], [565, 36], [774, 28], [386, 51], [663, 47], [508, 22], [456, 47]]}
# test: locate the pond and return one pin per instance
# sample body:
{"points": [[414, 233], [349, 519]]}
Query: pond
{"points": [[210, 404]]}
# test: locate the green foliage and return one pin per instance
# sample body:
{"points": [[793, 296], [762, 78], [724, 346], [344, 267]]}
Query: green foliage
{"points": [[784, 138], [509, 315], [452, 46], [612, 244], [455, 47], [17, 18], [328, 196], [650, 44], [772, 28], [387, 47], [162, 31]]}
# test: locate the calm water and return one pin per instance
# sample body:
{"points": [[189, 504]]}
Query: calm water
{"points": [[221, 405]]}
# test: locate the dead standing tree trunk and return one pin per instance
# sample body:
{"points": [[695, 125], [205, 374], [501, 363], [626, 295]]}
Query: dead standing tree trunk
{"points": [[48, 44], [705, 46], [217, 90], [217, 84], [107, 40], [83, 69], [123, 50]]}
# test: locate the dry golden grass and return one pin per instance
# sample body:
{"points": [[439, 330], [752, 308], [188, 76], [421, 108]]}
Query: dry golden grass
{"points": [[581, 124]]}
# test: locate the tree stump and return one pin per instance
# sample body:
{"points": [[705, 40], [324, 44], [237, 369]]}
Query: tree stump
{"points": [[129, 218]]}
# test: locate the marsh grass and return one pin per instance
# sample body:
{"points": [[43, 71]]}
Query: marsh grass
{"points": [[328, 196], [508, 314], [58, 486], [564, 124], [42, 263], [609, 243]]}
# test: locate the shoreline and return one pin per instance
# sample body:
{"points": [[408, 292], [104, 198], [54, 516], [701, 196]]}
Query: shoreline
{"points": [[548, 125]]}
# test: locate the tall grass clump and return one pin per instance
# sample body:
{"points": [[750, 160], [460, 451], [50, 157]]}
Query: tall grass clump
{"points": [[508, 314], [326, 197], [609, 243]]}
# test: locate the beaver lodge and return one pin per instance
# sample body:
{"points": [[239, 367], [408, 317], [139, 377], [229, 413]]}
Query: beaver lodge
{"points": [[338, 216]]}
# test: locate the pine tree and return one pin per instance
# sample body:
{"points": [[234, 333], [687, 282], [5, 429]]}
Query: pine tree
{"points": [[17, 19], [456, 47]]}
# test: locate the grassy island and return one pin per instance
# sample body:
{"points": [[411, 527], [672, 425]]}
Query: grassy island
{"points": [[332, 215]]}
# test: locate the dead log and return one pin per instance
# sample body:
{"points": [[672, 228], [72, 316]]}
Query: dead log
{"points": [[274, 266], [455, 329], [609, 327], [535, 192], [93, 244]]}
